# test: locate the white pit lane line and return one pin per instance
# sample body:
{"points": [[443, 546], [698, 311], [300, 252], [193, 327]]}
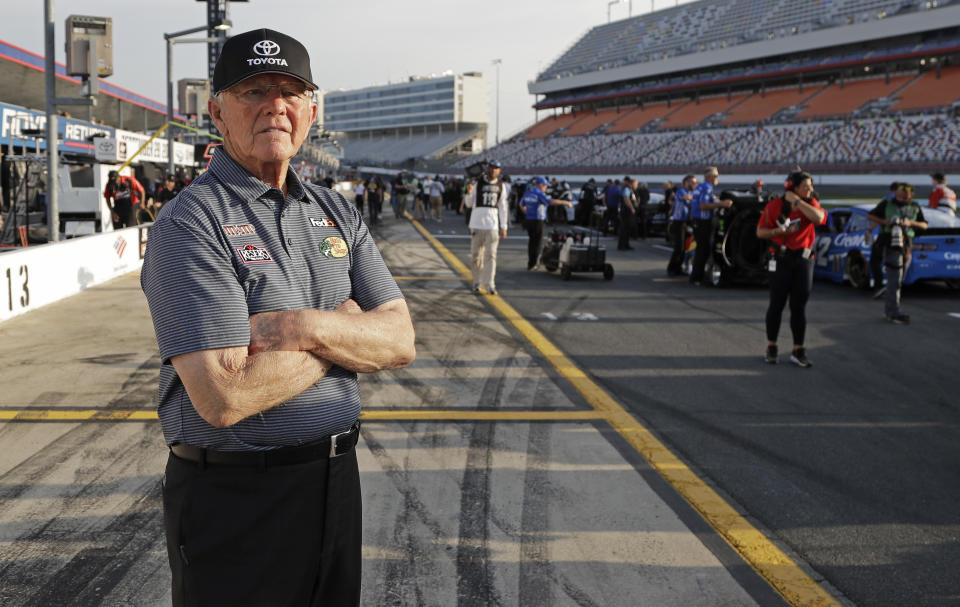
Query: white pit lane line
{"points": [[954, 314]]}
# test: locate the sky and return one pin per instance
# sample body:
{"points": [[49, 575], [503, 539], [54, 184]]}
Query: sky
{"points": [[352, 44]]}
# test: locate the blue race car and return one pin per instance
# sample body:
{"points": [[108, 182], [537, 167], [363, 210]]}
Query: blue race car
{"points": [[842, 253]]}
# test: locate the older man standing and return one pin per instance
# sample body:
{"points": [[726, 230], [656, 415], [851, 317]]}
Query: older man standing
{"points": [[268, 296], [488, 221], [704, 202]]}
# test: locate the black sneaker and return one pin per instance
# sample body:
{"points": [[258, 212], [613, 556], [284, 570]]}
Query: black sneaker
{"points": [[491, 291], [799, 358], [899, 319], [476, 288], [771, 356]]}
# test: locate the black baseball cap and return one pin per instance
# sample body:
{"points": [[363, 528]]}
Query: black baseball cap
{"points": [[261, 51], [938, 176]]}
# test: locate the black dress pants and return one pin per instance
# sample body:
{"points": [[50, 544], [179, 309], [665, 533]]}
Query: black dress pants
{"points": [[627, 222], [702, 229], [281, 535], [677, 230], [792, 279], [535, 230]]}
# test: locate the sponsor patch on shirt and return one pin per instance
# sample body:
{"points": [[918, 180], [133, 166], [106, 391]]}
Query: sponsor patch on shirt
{"points": [[254, 254], [243, 229], [333, 246], [322, 223]]}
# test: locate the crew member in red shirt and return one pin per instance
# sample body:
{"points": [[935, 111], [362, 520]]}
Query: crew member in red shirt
{"points": [[788, 223], [123, 196], [942, 196]]}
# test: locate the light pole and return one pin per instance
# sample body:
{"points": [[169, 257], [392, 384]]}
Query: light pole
{"points": [[610, 4], [224, 25], [497, 63]]}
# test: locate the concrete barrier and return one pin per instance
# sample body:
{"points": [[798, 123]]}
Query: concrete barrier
{"points": [[36, 276]]}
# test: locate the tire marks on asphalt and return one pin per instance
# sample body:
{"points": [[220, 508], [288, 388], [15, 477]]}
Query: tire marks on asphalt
{"points": [[48, 514]]}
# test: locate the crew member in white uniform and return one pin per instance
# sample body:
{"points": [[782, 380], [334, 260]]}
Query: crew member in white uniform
{"points": [[488, 225]]}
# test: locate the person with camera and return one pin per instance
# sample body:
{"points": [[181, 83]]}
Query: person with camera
{"points": [[876, 248], [900, 218], [788, 223]]}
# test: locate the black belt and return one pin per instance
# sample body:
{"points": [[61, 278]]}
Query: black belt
{"points": [[326, 448]]}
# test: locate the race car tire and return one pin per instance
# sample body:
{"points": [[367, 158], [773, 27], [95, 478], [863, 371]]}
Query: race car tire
{"points": [[741, 247], [550, 266], [858, 274]]}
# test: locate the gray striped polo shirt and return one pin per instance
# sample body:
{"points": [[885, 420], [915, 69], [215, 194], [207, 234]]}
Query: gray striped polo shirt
{"points": [[230, 246]]}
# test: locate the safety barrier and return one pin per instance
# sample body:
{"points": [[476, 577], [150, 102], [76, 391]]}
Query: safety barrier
{"points": [[38, 275]]}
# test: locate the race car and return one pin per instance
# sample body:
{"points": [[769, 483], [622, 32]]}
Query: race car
{"points": [[842, 250]]}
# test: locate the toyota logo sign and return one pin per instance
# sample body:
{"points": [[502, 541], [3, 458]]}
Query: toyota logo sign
{"points": [[266, 48]]}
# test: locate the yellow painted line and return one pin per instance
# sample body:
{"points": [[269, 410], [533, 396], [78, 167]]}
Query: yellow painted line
{"points": [[446, 254], [780, 571], [84, 415], [58, 415], [457, 415]]}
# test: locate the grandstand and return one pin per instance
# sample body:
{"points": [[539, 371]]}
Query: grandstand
{"points": [[404, 123], [842, 86]]}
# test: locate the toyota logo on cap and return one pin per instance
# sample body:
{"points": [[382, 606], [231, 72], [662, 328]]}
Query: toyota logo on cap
{"points": [[266, 48]]}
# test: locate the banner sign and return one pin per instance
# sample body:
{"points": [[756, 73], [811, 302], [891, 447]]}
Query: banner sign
{"points": [[75, 136], [106, 144]]}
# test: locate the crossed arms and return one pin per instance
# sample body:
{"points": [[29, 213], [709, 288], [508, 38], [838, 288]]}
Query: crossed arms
{"points": [[289, 352]]}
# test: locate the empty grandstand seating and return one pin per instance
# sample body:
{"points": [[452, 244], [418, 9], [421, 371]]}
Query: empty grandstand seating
{"points": [[837, 100], [549, 125], [928, 91], [591, 122], [939, 142], [854, 143], [640, 117], [759, 108], [708, 25], [694, 113], [385, 149], [862, 141]]}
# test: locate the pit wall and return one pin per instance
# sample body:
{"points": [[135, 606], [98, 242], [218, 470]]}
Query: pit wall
{"points": [[38, 275]]}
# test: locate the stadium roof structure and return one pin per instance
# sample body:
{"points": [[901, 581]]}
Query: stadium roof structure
{"points": [[22, 83], [710, 33]]}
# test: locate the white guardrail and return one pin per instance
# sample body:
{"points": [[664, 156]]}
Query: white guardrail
{"points": [[38, 275]]}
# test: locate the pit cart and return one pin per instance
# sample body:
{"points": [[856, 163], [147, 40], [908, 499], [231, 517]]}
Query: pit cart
{"points": [[575, 249]]}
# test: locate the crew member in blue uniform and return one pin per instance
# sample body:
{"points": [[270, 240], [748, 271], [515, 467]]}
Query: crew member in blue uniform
{"points": [[701, 213], [534, 203], [268, 296], [677, 228]]}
